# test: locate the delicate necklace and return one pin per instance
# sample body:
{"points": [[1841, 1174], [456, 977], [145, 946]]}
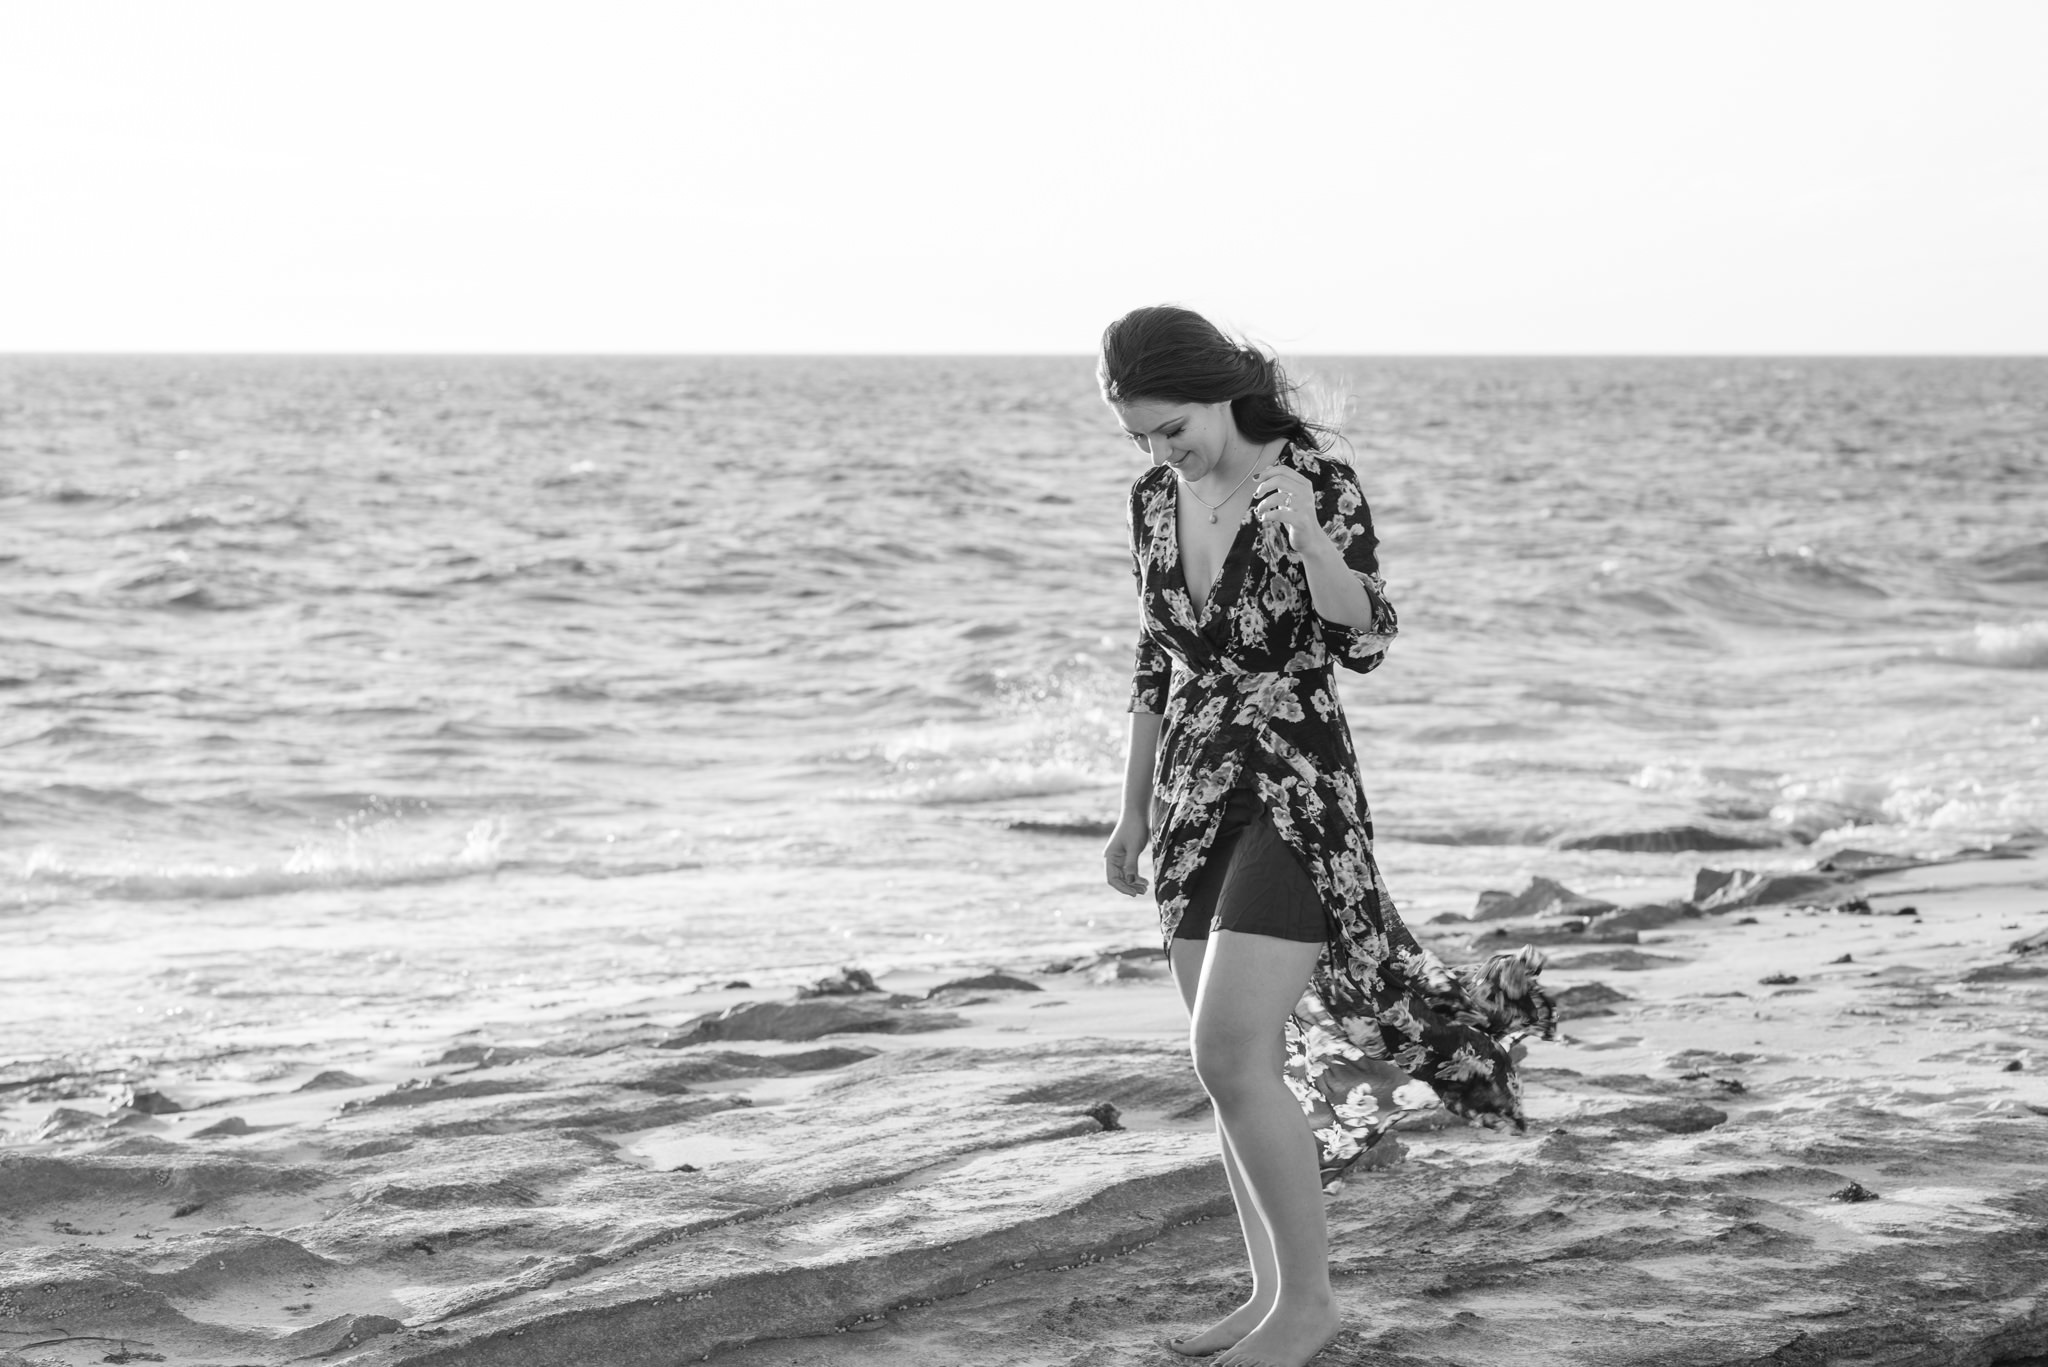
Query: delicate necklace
{"points": [[1212, 507]]}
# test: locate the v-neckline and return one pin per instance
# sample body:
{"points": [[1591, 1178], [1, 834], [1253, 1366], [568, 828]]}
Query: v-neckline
{"points": [[1231, 556], [1206, 608]]}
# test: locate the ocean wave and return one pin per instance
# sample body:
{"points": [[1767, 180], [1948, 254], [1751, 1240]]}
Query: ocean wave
{"points": [[1046, 747], [177, 585], [1779, 588], [2021, 646], [1479, 733], [62, 733], [71, 493], [1055, 731], [1703, 778], [577, 690], [1807, 569], [545, 567], [241, 808], [1905, 809], [599, 870], [245, 514], [1646, 601], [993, 781], [495, 731], [707, 690], [309, 868], [1536, 834], [2014, 565], [66, 799], [1921, 812]]}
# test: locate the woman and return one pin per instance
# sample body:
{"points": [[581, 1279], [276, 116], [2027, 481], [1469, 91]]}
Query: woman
{"points": [[1254, 555]]}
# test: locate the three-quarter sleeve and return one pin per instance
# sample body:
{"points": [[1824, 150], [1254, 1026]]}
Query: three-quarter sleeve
{"points": [[1152, 672], [1150, 678], [1340, 504]]}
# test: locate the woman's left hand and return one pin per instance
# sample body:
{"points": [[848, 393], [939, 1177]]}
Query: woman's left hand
{"points": [[1285, 496]]}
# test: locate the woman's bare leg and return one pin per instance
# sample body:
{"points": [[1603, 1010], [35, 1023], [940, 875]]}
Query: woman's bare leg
{"points": [[1249, 985], [1187, 956]]}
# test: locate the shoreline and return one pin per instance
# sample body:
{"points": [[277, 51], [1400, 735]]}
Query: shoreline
{"points": [[722, 1172]]}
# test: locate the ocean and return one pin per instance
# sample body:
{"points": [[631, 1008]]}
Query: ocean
{"points": [[345, 694]]}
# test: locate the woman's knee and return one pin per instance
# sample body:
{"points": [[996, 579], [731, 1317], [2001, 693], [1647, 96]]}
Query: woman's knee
{"points": [[1231, 1062]]}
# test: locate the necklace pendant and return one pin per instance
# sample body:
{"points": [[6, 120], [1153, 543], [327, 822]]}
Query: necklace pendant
{"points": [[1212, 518]]}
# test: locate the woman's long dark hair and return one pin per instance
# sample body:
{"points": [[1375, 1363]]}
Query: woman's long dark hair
{"points": [[1174, 355]]}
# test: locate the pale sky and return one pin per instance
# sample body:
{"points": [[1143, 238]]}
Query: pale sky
{"points": [[1554, 176]]}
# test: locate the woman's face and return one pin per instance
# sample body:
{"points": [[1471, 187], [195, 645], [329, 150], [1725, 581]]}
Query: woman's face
{"points": [[1190, 437]]}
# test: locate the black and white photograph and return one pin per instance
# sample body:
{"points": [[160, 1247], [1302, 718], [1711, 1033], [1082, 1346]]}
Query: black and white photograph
{"points": [[1079, 685]]}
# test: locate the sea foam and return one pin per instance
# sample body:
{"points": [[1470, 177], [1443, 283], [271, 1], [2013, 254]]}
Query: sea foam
{"points": [[2022, 645]]}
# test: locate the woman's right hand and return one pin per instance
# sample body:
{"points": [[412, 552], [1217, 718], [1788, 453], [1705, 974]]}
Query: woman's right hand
{"points": [[1120, 855]]}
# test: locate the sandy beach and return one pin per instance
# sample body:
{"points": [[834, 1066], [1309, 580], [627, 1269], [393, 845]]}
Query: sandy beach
{"points": [[1793, 1122]]}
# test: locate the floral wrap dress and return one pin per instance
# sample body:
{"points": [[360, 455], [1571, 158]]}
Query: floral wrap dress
{"points": [[1246, 692]]}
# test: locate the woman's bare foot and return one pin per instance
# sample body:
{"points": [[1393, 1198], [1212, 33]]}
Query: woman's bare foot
{"points": [[1289, 1336], [1225, 1332]]}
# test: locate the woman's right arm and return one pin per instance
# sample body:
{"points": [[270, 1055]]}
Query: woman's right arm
{"points": [[1151, 680], [1134, 826]]}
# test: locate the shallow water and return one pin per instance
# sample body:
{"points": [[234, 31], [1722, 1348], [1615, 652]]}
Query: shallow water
{"points": [[344, 689]]}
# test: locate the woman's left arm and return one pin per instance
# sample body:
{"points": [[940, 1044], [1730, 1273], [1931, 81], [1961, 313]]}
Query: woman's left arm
{"points": [[1341, 598], [1329, 531]]}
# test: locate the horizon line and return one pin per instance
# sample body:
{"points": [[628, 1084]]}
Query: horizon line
{"points": [[123, 354]]}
